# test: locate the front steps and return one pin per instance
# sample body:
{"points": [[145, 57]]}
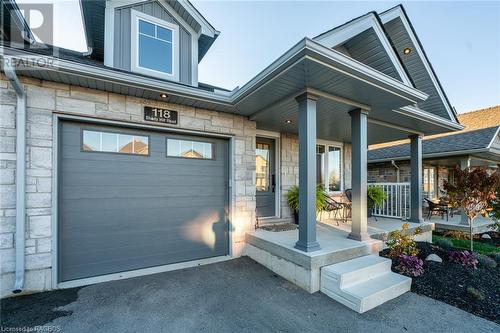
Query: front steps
{"points": [[363, 283]]}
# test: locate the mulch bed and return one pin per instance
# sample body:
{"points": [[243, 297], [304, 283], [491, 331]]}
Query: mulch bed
{"points": [[448, 282]]}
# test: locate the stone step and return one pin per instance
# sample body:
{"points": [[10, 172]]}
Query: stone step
{"points": [[357, 270], [363, 283]]}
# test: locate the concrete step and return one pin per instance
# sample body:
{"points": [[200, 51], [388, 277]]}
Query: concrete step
{"points": [[263, 221], [363, 283], [357, 270]]}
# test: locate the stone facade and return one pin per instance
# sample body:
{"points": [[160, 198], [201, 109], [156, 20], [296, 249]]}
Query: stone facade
{"points": [[44, 98]]}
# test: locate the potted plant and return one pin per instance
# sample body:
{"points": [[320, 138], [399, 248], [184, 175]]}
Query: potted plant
{"points": [[376, 197], [293, 200]]}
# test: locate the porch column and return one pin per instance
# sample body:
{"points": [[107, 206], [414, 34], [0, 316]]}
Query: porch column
{"points": [[359, 227], [416, 179], [464, 164], [307, 173]]}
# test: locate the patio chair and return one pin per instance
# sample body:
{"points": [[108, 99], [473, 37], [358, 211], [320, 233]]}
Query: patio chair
{"points": [[348, 194], [435, 208], [333, 206]]}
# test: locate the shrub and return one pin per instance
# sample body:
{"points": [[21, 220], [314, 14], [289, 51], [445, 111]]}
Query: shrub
{"points": [[486, 261], [410, 265], [475, 293], [401, 242], [495, 256], [457, 234], [293, 198], [464, 258], [376, 196], [444, 243]]}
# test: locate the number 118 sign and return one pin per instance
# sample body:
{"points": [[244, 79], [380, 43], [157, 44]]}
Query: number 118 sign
{"points": [[160, 115]]}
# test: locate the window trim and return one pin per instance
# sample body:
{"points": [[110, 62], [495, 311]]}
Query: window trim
{"points": [[341, 147], [213, 144], [135, 16], [83, 129], [435, 189]]}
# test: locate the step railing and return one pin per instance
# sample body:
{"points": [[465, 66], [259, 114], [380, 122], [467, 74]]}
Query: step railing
{"points": [[397, 201]]}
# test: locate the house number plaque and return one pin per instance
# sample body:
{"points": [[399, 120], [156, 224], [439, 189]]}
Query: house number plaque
{"points": [[160, 115]]}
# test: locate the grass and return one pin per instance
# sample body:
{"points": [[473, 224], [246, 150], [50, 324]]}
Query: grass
{"points": [[479, 247]]}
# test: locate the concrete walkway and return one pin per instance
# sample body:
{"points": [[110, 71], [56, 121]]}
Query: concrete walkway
{"points": [[239, 296]]}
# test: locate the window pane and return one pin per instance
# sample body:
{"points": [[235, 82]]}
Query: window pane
{"points": [[109, 142], [320, 165], [125, 143], [164, 34], [146, 28], [141, 145], [189, 149], [155, 54], [334, 167], [262, 167], [91, 141]]}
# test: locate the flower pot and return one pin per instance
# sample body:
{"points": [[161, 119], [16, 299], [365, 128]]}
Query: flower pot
{"points": [[296, 217]]}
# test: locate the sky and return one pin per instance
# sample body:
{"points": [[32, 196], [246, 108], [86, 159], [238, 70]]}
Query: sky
{"points": [[461, 38]]}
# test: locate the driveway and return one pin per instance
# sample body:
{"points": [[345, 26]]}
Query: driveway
{"points": [[233, 296]]}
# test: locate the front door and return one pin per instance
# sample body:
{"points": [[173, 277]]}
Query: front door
{"points": [[265, 177]]}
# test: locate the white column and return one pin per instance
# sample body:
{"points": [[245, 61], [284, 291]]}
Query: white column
{"points": [[359, 227], [307, 173]]}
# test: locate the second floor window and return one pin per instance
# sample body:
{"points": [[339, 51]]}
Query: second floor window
{"points": [[154, 46]]}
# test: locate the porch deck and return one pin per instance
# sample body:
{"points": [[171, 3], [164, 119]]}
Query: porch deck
{"points": [[481, 224], [276, 250]]}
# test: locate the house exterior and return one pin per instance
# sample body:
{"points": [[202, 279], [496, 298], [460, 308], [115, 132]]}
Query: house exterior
{"points": [[119, 162], [477, 145]]}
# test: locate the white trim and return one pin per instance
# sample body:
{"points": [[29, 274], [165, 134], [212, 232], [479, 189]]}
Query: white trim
{"points": [[494, 137], [57, 118], [109, 34], [420, 114], [397, 12], [140, 272], [336, 144], [343, 33], [206, 27], [276, 136], [135, 17]]}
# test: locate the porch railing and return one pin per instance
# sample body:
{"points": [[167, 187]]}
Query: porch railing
{"points": [[397, 202]]}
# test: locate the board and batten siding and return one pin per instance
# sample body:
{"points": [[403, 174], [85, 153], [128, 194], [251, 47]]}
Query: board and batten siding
{"points": [[122, 42]]}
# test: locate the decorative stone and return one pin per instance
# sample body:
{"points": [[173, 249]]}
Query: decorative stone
{"points": [[433, 257], [485, 236]]}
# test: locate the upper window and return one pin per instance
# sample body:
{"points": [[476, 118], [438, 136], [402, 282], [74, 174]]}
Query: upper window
{"points": [[108, 142], [189, 149], [155, 46], [329, 167], [429, 182]]}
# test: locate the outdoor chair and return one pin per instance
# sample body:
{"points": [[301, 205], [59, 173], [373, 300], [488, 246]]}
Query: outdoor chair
{"points": [[435, 209], [333, 206]]}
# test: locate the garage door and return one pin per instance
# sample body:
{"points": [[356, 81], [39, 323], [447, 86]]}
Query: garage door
{"points": [[131, 199]]}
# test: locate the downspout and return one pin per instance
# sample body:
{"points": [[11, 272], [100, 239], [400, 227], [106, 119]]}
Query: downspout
{"points": [[10, 72], [397, 170]]}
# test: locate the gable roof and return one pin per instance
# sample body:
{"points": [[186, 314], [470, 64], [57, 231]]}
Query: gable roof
{"points": [[94, 23], [454, 144], [402, 35], [365, 40]]}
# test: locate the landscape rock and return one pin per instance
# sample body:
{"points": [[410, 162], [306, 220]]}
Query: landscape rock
{"points": [[485, 236], [433, 257]]}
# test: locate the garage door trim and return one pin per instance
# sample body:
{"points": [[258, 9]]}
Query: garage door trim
{"points": [[62, 117]]}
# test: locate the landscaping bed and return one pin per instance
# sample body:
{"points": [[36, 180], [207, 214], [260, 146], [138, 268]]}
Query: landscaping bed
{"points": [[474, 290]]}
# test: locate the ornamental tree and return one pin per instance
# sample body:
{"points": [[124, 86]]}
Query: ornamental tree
{"points": [[473, 190]]}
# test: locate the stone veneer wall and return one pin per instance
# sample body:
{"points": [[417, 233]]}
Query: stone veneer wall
{"points": [[43, 99], [290, 168]]}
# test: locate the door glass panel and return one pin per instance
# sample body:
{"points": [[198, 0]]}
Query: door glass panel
{"points": [[109, 142], [126, 144], [262, 167], [91, 141], [333, 169]]}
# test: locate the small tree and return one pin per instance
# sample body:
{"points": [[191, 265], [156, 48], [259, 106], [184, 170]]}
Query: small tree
{"points": [[473, 190]]}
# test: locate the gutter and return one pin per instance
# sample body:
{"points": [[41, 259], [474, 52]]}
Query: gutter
{"points": [[397, 170], [10, 72]]}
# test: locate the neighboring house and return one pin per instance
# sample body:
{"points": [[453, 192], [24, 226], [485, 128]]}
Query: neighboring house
{"points": [[478, 144], [129, 165]]}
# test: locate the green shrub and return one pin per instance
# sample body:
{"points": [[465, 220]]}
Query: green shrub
{"points": [[401, 242], [473, 292], [293, 198], [444, 243], [495, 256], [486, 261], [376, 196]]}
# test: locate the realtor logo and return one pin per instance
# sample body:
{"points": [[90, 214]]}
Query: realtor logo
{"points": [[39, 17]]}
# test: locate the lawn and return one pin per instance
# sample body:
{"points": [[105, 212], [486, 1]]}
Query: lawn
{"points": [[479, 246]]}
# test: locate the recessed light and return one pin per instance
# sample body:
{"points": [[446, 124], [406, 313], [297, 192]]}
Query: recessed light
{"points": [[163, 95], [288, 121], [407, 51]]}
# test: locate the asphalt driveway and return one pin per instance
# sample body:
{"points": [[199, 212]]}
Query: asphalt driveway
{"points": [[233, 296]]}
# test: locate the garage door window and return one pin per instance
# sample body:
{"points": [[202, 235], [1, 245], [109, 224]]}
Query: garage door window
{"points": [[108, 142], [189, 149]]}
